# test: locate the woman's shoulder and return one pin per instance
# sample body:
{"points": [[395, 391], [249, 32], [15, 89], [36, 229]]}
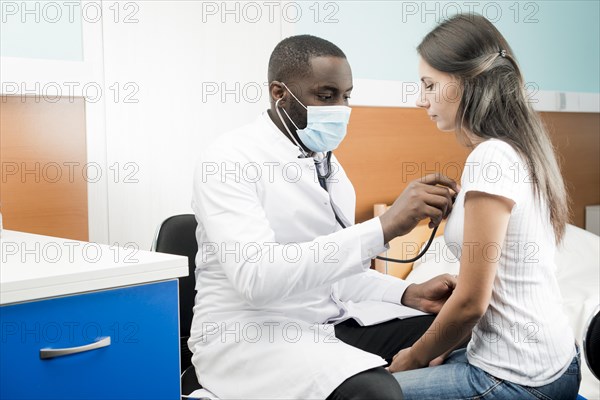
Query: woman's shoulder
{"points": [[494, 150]]}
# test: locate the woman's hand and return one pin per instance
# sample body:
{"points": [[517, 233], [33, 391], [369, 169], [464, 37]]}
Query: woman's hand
{"points": [[438, 360], [404, 361]]}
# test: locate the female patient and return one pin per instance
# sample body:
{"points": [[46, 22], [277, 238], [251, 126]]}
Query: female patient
{"points": [[507, 220]]}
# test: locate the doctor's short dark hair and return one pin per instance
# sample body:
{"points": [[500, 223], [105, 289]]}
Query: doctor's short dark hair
{"points": [[291, 57]]}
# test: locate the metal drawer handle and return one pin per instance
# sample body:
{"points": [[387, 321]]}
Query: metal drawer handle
{"points": [[52, 353]]}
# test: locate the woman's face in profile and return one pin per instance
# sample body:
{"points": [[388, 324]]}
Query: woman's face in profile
{"points": [[440, 96]]}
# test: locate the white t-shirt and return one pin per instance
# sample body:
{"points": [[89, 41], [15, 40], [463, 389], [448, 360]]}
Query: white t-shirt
{"points": [[524, 336]]}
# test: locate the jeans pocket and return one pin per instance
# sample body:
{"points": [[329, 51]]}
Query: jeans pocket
{"points": [[493, 378], [575, 367], [536, 393]]}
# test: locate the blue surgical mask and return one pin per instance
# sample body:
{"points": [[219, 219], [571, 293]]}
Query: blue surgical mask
{"points": [[325, 126]]}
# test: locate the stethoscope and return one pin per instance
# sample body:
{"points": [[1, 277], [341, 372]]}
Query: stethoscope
{"points": [[323, 169]]}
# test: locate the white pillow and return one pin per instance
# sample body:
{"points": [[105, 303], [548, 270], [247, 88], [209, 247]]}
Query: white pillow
{"points": [[578, 274]]}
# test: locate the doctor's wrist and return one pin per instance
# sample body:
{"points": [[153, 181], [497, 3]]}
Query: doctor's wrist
{"points": [[387, 227], [412, 296]]}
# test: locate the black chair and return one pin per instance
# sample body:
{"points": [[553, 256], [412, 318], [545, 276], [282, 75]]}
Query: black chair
{"points": [[177, 235], [591, 343]]}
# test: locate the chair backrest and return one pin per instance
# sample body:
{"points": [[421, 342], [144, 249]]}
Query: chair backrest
{"points": [[177, 235], [591, 343]]}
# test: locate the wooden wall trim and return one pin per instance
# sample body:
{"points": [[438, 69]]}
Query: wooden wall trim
{"points": [[576, 137], [43, 182], [387, 147]]}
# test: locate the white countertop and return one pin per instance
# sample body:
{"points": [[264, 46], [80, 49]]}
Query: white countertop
{"points": [[36, 267]]}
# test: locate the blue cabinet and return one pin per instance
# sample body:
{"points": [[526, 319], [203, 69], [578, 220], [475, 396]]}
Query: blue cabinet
{"points": [[141, 361]]}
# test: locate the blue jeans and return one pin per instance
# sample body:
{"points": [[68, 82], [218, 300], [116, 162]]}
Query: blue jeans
{"points": [[457, 379]]}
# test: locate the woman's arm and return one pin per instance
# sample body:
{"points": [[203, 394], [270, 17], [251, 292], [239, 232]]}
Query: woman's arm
{"points": [[486, 221], [440, 359]]}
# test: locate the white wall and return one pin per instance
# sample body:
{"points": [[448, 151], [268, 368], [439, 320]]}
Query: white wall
{"points": [[173, 75], [380, 38], [165, 77], [174, 59]]}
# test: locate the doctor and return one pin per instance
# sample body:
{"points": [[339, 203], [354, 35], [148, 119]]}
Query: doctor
{"points": [[276, 270]]}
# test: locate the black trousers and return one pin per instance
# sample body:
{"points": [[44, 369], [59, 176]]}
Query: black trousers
{"points": [[385, 339]]}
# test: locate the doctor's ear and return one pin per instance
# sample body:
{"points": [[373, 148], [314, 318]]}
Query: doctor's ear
{"points": [[277, 92]]}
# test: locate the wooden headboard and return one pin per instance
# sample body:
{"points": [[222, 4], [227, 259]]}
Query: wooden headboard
{"points": [[387, 147]]}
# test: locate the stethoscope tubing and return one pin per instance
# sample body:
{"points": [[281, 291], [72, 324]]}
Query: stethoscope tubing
{"points": [[323, 178]]}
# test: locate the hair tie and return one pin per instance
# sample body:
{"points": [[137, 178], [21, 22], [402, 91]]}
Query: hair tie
{"points": [[502, 53]]}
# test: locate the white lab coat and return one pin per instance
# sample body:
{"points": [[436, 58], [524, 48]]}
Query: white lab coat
{"points": [[275, 270]]}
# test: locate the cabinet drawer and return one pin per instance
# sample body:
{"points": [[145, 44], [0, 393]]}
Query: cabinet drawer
{"points": [[141, 362]]}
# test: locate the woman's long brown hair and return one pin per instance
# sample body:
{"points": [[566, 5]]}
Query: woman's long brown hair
{"points": [[494, 102]]}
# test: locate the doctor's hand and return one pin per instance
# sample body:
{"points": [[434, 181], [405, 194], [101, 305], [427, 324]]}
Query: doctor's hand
{"points": [[431, 295], [427, 197]]}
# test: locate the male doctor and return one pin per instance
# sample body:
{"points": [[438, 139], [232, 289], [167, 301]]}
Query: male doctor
{"points": [[276, 270]]}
